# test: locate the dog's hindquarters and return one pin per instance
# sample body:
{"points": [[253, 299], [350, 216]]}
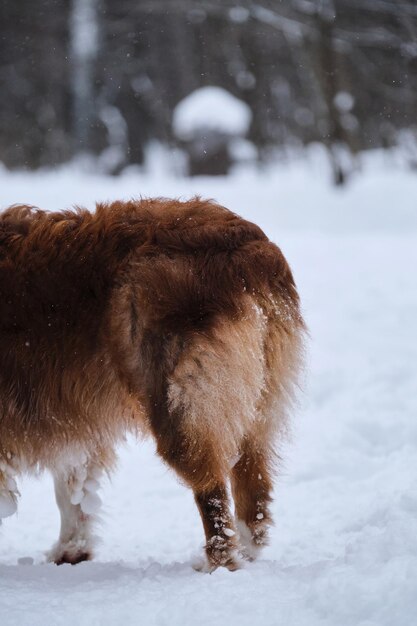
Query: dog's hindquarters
{"points": [[208, 332], [216, 416], [252, 476]]}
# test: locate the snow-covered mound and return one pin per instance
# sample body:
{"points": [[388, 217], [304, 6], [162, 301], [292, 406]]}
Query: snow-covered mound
{"points": [[211, 109]]}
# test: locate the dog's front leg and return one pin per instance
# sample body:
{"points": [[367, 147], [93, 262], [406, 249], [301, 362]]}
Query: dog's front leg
{"points": [[8, 491], [78, 502]]}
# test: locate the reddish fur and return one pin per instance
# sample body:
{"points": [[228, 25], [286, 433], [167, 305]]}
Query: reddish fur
{"points": [[124, 319]]}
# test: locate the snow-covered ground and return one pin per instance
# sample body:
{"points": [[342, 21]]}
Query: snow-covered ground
{"points": [[344, 549]]}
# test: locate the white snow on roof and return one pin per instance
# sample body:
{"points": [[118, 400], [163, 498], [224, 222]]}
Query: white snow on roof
{"points": [[208, 109]]}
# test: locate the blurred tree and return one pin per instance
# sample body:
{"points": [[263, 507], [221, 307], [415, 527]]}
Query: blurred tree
{"points": [[34, 78], [84, 50], [104, 76]]}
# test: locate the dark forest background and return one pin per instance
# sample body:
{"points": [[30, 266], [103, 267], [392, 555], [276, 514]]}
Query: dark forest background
{"points": [[90, 76]]}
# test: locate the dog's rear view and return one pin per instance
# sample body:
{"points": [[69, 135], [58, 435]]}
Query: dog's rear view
{"points": [[177, 319]]}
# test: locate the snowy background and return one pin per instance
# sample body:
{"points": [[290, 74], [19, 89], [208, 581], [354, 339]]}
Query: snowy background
{"points": [[304, 113], [105, 77], [344, 549]]}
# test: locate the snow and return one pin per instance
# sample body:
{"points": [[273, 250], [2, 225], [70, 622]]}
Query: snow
{"points": [[343, 551], [90, 504], [344, 101], [211, 109], [84, 29]]}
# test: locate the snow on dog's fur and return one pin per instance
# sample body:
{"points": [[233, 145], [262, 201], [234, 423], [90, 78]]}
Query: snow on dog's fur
{"points": [[176, 319]]}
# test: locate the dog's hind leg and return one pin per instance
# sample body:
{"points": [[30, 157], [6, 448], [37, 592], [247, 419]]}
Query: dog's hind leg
{"points": [[200, 470], [198, 415], [251, 482], [252, 476], [76, 495], [190, 446], [221, 546]]}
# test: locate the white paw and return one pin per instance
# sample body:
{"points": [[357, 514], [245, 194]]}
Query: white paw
{"points": [[249, 549], [200, 564], [72, 552]]}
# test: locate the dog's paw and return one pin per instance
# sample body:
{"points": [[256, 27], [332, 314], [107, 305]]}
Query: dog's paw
{"points": [[71, 552], [233, 561], [73, 559], [252, 541]]}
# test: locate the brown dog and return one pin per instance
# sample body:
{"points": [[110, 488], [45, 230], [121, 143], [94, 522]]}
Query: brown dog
{"points": [[175, 318]]}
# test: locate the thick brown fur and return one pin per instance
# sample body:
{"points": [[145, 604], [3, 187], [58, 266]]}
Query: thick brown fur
{"points": [[178, 319]]}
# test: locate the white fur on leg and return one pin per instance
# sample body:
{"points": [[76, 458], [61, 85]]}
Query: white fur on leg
{"points": [[8, 491], [250, 549], [200, 562], [8, 504], [78, 502]]}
